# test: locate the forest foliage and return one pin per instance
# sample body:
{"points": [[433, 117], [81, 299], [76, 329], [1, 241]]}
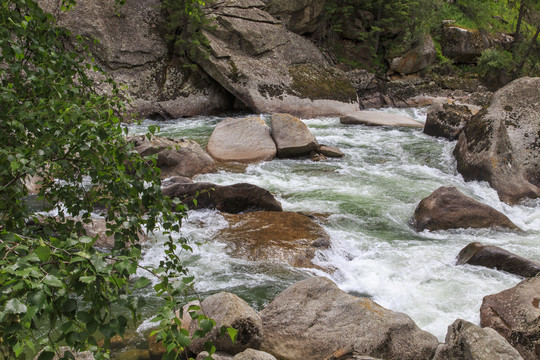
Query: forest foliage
{"points": [[56, 287], [391, 27]]}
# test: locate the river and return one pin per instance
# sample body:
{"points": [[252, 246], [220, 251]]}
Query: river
{"points": [[370, 196]]}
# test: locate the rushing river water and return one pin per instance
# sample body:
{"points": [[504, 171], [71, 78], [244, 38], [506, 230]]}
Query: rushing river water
{"points": [[370, 196]]}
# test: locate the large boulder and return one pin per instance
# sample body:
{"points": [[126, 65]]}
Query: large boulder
{"points": [[446, 119], [447, 208], [229, 310], [229, 198], [496, 258], [466, 341], [270, 69], [416, 59], [242, 140], [515, 314], [299, 16], [284, 237], [465, 45], [378, 118], [313, 318], [175, 157], [501, 144], [292, 136], [133, 51]]}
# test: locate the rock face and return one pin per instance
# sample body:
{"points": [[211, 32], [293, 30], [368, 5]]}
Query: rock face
{"points": [[133, 51], [231, 198], [229, 310], [466, 341], [378, 118], [501, 144], [330, 151], [447, 119], [447, 208], [313, 318], [270, 69], [242, 140], [249, 354], [181, 157], [284, 237], [416, 59], [496, 258], [465, 46], [292, 136], [299, 16], [515, 314]]}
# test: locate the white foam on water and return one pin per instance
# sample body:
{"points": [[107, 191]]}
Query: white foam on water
{"points": [[370, 196]]}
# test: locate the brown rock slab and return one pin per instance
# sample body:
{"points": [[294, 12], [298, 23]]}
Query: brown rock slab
{"points": [[245, 140], [285, 237], [292, 136], [379, 118], [446, 119], [515, 314], [313, 319], [447, 208], [495, 257]]}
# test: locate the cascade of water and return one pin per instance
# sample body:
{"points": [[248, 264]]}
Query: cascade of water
{"points": [[369, 195]]}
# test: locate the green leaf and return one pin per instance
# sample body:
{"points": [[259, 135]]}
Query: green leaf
{"points": [[15, 306], [43, 253], [87, 279], [52, 281], [233, 333], [141, 282]]}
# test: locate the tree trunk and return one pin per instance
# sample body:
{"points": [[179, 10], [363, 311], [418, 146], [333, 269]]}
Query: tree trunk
{"points": [[517, 36], [531, 46]]}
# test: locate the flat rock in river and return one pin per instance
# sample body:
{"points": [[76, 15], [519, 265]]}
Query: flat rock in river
{"points": [[286, 237], [378, 118]]}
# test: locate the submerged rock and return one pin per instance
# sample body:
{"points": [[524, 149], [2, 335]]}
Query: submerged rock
{"points": [[501, 144], [284, 237], [269, 68], [515, 314], [378, 118], [313, 318], [184, 158], [330, 151], [229, 310], [466, 341], [446, 119], [496, 258], [447, 208], [245, 140], [292, 136], [230, 198]]}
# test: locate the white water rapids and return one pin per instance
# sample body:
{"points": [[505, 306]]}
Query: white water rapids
{"points": [[370, 196]]}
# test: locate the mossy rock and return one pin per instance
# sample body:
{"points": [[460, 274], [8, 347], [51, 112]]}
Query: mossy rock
{"points": [[320, 83]]}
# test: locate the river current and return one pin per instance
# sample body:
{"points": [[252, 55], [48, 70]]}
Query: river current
{"points": [[369, 196]]}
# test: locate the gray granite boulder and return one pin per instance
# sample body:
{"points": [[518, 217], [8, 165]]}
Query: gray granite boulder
{"points": [[245, 140], [234, 198], [447, 208], [466, 341], [515, 314], [313, 318], [175, 157], [292, 136], [496, 258], [501, 144], [269, 68]]}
